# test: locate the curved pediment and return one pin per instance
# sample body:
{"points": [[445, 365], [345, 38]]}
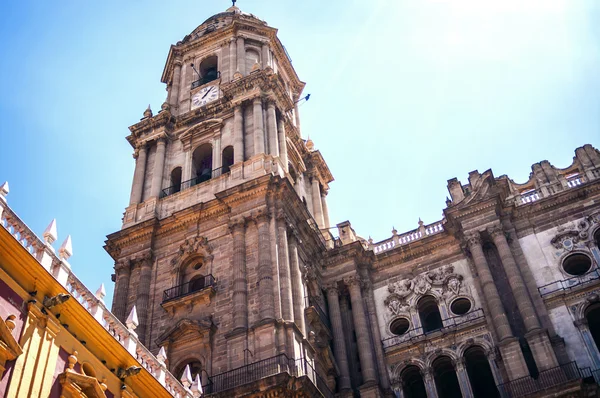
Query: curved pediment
{"points": [[197, 328]]}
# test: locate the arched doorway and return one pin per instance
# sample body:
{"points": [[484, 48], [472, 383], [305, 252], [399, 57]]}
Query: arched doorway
{"points": [[446, 381], [227, 159], [592, 315], [413, 385], [202, 163], [480, 374], [429, 313], [175, 180]]}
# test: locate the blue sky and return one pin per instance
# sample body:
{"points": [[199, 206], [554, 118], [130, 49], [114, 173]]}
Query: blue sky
{"points": [[404, 96]]}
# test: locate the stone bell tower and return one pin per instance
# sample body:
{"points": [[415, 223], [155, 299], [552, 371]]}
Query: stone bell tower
{"points": [[227, 210]]}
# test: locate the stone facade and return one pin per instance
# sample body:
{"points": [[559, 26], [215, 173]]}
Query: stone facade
{"points": [[226, 253]]}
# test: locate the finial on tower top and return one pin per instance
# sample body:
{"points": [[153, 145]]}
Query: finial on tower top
{"points": [[233, 8]]}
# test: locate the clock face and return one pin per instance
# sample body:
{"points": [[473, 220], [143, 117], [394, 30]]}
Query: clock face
{"points": [[204, 96]]}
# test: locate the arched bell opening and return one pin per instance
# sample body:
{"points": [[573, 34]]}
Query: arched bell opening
{"points": [[208, 69], [195, 369], [592, 315], [227, 159], [446, 381], [429, 313], [413, 385], [480, 374], [175, 180], [202, 162]]}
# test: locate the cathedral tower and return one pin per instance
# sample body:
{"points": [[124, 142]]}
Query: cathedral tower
{"points": [[227, 214]]}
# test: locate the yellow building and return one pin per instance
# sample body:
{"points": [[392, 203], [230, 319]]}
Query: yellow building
{"points": [[57, 338]]}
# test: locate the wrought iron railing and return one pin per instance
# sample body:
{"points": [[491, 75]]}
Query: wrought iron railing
{"points": [[265, 368], [206, 79], [546, 379], [194, 286], [447, 323], [195, 181], [569, 283], [310, 301]]}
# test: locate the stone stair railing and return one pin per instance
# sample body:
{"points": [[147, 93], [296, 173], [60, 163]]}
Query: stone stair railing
{"points": [[407, 237]]}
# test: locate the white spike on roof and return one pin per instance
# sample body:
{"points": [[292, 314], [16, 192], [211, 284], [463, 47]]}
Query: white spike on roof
{"points": [[101, 292], [186, 377], [50, 234], [197, 387], [162, 355], [132, 321], [66, 249], [4, 190]]}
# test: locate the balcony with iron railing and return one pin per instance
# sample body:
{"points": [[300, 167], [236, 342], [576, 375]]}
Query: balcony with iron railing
{"points": [[206, 79], [202, 178], [547, 379], [263, 369], [314, 310], [420, 334], [565, 285], [200, 286]]}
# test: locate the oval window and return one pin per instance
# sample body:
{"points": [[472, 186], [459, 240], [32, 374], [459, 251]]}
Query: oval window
{"points": [[577, 264], [460, 306], [400, 326]]}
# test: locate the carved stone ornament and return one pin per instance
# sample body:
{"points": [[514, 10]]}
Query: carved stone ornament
{"points": [[569, 235], [443, 280], [193, 246]]}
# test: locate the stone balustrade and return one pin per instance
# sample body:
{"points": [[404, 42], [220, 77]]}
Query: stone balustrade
{"points": [[93, 303], [405, 238]]}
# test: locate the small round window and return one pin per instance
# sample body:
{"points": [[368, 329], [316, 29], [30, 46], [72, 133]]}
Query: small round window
{"points": [[577, 264], [460, 306], [400, 326]]}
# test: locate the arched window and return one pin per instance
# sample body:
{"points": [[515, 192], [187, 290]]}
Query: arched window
{"points": [[202, 163], [227, 158], [597, 238], [208, 69], [480, 374], [429, 313], [412, 382], [592, 315], [197, 283], [175, 180], [445, 378]]}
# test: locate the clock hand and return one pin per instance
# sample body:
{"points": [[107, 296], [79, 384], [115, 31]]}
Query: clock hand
{"points": [[209, 90]]}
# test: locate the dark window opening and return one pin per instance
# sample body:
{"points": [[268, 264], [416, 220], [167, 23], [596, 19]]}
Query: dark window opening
{"points": [[195, 369], [197, 283], [176, 180], [577, 264], [592, 315], [400, 326], [208, 69], [429, 313], [227, 159], [460, 306], [412, 383], [528, 357], [597, 238], [445, 378], [480, 374], [202, 163]]}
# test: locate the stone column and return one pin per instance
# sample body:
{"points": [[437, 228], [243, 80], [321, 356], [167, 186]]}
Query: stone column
{"points": [[362, 331], [316, 200], [174, 94], [325, 209], [490, 291], [143, 297], [515, 280], [232, 58], [272, 129], [122, 273], [265, 55], [282, 144], [259, 130], [265, 271], [241, 56], [287, 309], [216, 155], [237, 227], [159, 165], [296, 276], [238, 134], [139, 174], [430, 383], [463, 379], [339, 346]]}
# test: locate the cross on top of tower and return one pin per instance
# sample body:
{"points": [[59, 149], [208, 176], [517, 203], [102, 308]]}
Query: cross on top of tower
{"points": [[233, 2]]}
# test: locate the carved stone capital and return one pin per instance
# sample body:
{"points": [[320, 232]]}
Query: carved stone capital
{"points": [[495, 231], [123, 266], [473, 239], [353, 280], [260, 216], [237, 224], [332, 288]]}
